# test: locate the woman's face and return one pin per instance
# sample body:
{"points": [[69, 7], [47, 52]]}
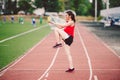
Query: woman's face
{"points": [[67, 17]]}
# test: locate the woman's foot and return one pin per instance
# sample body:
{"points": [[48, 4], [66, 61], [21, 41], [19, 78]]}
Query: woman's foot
{"points": [[57, 45], [70, 70]]}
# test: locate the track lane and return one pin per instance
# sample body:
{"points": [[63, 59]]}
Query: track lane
{"points": [[106, 65], [82, 70], [34, 64]]}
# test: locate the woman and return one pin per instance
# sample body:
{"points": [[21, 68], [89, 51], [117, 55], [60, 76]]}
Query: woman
{"points": [[66, 32]]}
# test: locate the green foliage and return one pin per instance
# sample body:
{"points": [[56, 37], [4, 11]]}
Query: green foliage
{"points": [[82, 9], [24, 5], [81, 6], [100, 17], [11, 6], [99, 7], [49, 5], [62, 5], [115, 3]]}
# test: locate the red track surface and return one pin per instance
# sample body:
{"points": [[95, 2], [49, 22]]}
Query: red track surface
{"points": [[91, 58]]}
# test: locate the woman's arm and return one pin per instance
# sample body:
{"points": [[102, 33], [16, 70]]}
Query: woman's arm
{"points": [[63, 25]]}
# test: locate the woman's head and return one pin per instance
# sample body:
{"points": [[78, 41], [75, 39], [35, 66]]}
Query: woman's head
{"points": [[70, 15]]}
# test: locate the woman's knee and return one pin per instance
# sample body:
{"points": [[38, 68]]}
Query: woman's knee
{"points": [[56, 28]]}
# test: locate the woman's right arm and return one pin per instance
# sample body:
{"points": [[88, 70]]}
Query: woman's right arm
{"points": [[63, 25]]}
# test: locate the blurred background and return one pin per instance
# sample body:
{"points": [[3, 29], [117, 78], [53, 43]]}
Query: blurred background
{"points": [[105, 11]]}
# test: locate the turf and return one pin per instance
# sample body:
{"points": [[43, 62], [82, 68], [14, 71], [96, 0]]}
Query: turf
{"points": [[11, 49]]}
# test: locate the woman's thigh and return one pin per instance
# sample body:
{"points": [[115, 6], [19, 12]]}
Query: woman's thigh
{"points": [[63, 34]]}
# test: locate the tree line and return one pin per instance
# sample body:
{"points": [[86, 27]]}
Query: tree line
{"points": [[82, 7]]}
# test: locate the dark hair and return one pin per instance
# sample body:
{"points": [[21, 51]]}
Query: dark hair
{"points": [[70, 13]]}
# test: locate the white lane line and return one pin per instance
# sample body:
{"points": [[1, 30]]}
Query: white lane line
{"points": [[54, 58], [21, 57], [63, 69], [106, 45], [47, 75], [22, 34], [87, 55], [95, 77]]}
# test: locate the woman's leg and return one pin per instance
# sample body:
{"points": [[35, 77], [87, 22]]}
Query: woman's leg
{"points": [[65, 36], [60, 33], [68, 53], [58, 37]]}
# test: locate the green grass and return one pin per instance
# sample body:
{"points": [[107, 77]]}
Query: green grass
{"points": [[10, 50], [8, 29]]}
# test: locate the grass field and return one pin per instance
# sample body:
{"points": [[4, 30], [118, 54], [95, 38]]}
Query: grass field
{"points": [[15, 46]]}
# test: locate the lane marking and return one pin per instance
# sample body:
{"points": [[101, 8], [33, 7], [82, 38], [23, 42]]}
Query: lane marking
{"points": [[22, 34], [86, 52], [64, 69], [47, 70], [95, 77], [108, 47], [47, 75], [105, 44], [20, 58]]}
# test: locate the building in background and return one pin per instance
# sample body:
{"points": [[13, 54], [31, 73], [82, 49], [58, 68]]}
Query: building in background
{"points": [[112, 12]]}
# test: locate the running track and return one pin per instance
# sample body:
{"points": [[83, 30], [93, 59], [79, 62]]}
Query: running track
{"points": [[93, 60]]}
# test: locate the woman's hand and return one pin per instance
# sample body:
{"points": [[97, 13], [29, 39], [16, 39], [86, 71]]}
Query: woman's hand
{"points": [[51, 22]]}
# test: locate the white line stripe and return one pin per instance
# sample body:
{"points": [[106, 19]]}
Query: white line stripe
{"points": [[105, 45], [16, 61], [54, 58], [86, 52], [47, 75], [64, 69], [95, 77], [21, 34]]}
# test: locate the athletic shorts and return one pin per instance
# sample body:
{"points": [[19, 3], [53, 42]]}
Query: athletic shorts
{"points": [[69, 40]]}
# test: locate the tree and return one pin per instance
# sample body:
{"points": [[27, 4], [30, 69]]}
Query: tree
{"points": [[8, 5], [62, 5], [49, 5], [81, 6], [11, 7], [82, 9], [115, 3], [99, 7], [25, 5], [15, 6]]}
